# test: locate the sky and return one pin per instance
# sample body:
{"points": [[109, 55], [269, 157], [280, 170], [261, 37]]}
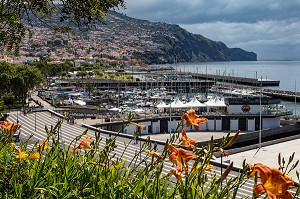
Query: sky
{"points": [[270, 28]]}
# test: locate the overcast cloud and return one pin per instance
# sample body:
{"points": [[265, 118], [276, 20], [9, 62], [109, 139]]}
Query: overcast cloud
{"points": [[270, 28]]}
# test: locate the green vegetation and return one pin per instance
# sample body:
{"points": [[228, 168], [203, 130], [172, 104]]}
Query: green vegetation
{"points": [[16, 81], [17, 15], [83, 169], [62, 69]]}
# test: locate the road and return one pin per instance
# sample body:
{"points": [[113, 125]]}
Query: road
{"points": [[34, 124]]}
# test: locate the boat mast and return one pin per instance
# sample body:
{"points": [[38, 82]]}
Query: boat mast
{"points": [[260, 122]]}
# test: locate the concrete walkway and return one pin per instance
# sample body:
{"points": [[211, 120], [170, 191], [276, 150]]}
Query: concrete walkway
{"points": [[46, 105], [268, 155]]}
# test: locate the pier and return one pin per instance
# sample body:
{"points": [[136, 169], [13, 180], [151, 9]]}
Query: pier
{"points": [[237, 80], [221, 78], [284, 95], [278, 94]]}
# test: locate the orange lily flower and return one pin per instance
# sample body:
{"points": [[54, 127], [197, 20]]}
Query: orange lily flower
{"points": [[273, 182], [9, 126], [180, 157], [17, 149], [177, 174], [84, 144], [36, 155], [207, 168], [45, 145], [156, 155], [223, 152], [100, 164], [189, 143], [21, 155], [193, 119]]}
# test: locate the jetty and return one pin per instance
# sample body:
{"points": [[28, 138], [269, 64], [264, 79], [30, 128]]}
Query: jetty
{"points": [[222, 78], [278, 94], [237, 80], [281, 94]]}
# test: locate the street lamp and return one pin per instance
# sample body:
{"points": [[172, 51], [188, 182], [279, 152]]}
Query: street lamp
{"points": [[58, 130], [34, 121], [17, 116]]}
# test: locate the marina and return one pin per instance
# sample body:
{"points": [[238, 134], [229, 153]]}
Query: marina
{"points": [[158, 101]]}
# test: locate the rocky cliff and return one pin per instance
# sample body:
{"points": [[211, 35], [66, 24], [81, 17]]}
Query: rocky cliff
{"points": [[175, 43]]}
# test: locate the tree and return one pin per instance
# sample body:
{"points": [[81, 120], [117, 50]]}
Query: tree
{"points": [[66, 66], [55, 69], [44, 67], [90, 73], [5, 82], [89, 87], [63, 74], [31, 77], [17, 15], [17, 85], [81, 74]]}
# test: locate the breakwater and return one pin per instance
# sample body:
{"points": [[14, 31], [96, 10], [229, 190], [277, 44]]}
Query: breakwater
{"points": [[222, 78], [237, 80], [278, 94], [284, 95]]}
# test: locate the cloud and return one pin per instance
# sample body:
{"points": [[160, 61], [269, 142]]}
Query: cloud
{"points": [[262, 32], [254, 37], [271, 28], [201, 11]]}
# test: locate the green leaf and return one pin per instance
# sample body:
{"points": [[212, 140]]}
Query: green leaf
{"points": [[233, 139], [279, 160], [226, 172]]}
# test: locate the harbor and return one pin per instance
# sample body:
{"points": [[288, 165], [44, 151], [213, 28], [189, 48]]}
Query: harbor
{"points": [[157, 98]]}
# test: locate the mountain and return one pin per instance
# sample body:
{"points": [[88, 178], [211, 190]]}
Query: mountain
{"points": [[173, 41], [126, 38]]}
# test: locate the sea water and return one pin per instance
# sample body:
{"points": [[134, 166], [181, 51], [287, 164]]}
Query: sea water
{"points": [[287, 72]]}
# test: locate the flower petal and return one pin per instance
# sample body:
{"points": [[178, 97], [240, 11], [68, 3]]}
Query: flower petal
{"points": [[258, 189], [177, 174], [36, 155]]}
